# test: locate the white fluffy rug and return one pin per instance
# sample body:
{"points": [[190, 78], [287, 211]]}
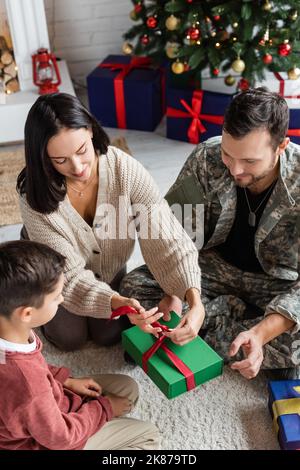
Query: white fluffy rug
{"points": [[226, 413]]}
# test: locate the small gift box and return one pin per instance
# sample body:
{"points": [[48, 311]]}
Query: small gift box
{"points": [[284, 405], [195, 115], [127, 92], [280, 83], [174, 369]]}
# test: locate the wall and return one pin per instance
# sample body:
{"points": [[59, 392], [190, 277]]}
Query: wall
{"points": [[83, 32]]}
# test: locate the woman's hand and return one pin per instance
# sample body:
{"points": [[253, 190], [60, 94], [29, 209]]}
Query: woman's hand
{"points": [[189, 326], [84, 386], [143, 318]]}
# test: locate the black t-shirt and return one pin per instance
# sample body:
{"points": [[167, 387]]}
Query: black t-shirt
{"points": [[238, 248]]}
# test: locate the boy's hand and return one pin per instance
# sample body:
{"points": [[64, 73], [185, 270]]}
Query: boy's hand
{"points": [[143, 319], [120, 405], [84, 386]]}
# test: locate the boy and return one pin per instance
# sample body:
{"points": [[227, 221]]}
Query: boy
{"points": [[42, 407]]}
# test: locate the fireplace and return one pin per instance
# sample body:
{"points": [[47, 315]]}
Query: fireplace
{"points": [[29, 32]]}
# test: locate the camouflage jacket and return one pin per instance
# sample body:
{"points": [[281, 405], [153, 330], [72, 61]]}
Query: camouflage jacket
{"points": [[205, 179]]}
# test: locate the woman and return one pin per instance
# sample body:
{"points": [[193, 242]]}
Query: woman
{"points": [[78, 195]]}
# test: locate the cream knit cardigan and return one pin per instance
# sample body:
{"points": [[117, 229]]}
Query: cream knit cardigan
{"points": [[92, 261]]}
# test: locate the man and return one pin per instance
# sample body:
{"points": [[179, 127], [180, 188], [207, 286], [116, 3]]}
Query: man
{"points": [[249, 181]]}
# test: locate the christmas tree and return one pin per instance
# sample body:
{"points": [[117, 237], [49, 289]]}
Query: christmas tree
{"points": [[246, 36]]}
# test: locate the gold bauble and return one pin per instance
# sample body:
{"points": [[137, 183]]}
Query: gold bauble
{"points": [[294, 73], [172, 49], [127, 48], [293, 15], [172, 23], [238, 65], [267, 6], [229, 80], [133, 16], [177, 67]]}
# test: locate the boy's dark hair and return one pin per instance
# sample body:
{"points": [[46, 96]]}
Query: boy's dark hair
{"points": [[28, 272], [257, 108], [43, 185]]}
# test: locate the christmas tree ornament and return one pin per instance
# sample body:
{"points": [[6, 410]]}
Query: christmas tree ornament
{"points": [[284, 49], [216, 72], [177, 67], [293, 15], [189, 1], [294, 73], [186, 67], [238, 65], [243, 84], [145, 39], [267, 59], [127, 48], [152, 22], [172, 23], [172, 49], [229, 80], [193, 33], [138, 8], [217, 17], [133, 16], [267, 6]]}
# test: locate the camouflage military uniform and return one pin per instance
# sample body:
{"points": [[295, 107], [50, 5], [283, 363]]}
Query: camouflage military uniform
{"points": [[236, 300]]}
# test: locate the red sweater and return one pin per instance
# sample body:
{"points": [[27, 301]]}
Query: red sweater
{"points": [[37, 412]]}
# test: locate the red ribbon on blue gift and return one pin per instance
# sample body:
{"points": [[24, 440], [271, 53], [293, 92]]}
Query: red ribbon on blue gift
{"points": [[125, 69], [178, 363], [194, 112]]}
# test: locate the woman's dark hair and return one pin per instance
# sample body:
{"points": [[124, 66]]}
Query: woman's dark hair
{"points": [[254, 109], [28, 272], [43, 186]]}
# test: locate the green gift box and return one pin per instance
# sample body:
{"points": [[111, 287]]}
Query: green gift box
{"points": [[201, 359]]}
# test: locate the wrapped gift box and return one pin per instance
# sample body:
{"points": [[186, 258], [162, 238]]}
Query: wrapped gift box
{"points": [[280, 83], [284, 405], [217, 84], [294, 125], [195, 115], [197, 355], [126, 92]]}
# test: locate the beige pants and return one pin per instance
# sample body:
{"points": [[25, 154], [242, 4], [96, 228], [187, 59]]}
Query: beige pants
{"points": [[123, 433]]}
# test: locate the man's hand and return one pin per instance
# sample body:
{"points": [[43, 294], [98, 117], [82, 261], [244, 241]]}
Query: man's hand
{"points": [[84, 386], [252, 347], [120, 405], [189, 326], [143, 319]]}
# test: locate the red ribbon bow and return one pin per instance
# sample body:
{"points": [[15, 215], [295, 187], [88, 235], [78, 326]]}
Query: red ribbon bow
{"points": [[194, 112], [125, 69], [178, 363]]}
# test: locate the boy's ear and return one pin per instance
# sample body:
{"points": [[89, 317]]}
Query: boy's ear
{"points": [[24, 314]]}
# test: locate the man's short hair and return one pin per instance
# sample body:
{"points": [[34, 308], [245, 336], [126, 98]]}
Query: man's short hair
{"points": [[28, 272], [257, 108]]}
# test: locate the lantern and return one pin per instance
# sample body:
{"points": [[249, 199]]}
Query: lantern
{"points": [[45, 72]]}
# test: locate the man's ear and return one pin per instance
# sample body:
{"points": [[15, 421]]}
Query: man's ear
{"points": [[24, 314], [283, 145]]}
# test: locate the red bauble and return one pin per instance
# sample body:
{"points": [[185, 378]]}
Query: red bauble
{"points": [[267, 58], [216, 71], [152, 22], [243, 84], [145, 39], [189, 1], [186, 67], [284, 49], [138, 8], [217, 17], [193, 33]]}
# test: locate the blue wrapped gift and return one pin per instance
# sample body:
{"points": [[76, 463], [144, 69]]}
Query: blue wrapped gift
{"points": [[195, 115], [284, 405], [126, 92], [294, 125]]}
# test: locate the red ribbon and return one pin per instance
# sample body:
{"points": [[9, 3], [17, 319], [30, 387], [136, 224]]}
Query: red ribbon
{"points": [[125, 69], [281, 86], [294, 132], [178, 363], [194, 112]]}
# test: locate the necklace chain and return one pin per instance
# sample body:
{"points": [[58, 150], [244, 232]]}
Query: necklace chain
{"points": [[81, 192], [252, 215]]}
